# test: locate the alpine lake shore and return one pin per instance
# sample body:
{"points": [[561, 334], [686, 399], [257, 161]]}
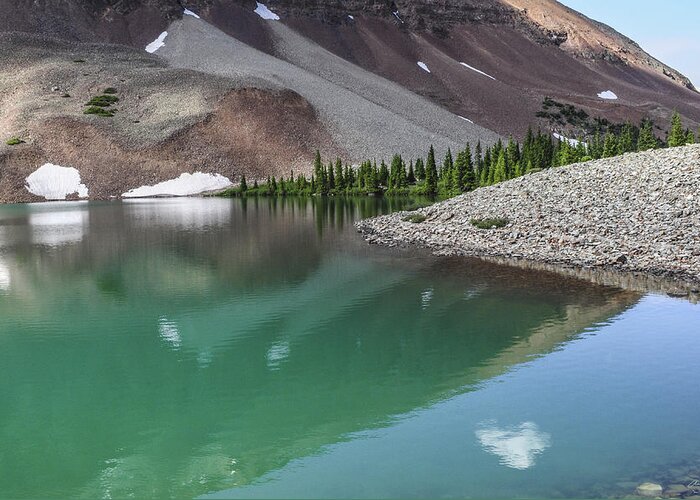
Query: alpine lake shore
{"points": [[633, 220]]}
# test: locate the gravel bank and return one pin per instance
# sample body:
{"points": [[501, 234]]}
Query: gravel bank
{"points": [[637, 213]]}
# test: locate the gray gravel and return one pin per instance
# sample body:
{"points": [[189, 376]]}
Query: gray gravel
{"points": [[369, 116], [635, 213]]}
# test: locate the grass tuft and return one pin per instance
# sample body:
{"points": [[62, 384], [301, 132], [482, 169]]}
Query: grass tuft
{"points": [[415, 218], [494, 223], [98, 111], [14, 141], [102, 101]]}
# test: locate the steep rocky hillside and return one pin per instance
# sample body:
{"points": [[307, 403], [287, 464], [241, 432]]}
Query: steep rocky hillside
{"points": [[236, 87]]}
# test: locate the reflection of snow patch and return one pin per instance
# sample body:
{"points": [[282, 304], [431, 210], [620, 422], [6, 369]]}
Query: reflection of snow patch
{"points": [[182, 213], [58, 227], [169, 332], [466, 119], [54, 182], [477, 70], [185, 185], [608, 94], [517, 447], [423, 66], [277, 353], [188, 12], [426, 297], [5, 278], [265, 13], [157, 43]]}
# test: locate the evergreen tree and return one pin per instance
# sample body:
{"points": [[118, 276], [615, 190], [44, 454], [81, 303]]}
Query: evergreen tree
{"points": [[677, 136], [647, 140], [431, 175], [339, 177], [331, 179], [447, 163], [411, 177], [244, 184], [499, 173], [420, 169], [689, 137], [610, 146], [383, 175], [318, 165]]}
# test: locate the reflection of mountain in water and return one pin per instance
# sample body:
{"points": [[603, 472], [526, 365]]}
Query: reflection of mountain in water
{"points": [[204, 357]]}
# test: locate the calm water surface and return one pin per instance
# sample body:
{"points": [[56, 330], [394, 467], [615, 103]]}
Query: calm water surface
{"points": [[205, 347]]}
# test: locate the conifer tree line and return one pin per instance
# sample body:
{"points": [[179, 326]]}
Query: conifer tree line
{"points": [[469, 169]]}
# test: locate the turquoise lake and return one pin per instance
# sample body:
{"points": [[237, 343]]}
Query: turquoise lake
{"points": [[260, 348]]}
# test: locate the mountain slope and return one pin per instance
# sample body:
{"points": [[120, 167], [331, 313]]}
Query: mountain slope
{"points": [[232, 93]]}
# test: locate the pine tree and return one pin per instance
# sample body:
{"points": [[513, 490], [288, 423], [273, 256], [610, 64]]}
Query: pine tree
{"points": [[420, 169], [339, 177], [610, 146], [689, 137], [646, 140], [677, 135], [383, 178], [244, 184], [499, 173], [331, 179], [411, 177], [431, 175], [318, 165]]}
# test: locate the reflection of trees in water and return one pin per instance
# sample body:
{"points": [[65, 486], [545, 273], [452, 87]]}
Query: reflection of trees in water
{"points": [[234, 340]]}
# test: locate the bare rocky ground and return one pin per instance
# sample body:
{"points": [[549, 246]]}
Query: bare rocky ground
{"points": [[638, 213]]}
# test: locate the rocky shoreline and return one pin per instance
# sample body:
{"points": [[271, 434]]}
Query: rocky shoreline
{"points": [[636, 215]]}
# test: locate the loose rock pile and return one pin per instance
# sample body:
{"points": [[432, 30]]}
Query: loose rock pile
{"points": [[638, 212]]}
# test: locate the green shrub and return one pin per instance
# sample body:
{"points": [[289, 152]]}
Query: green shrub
{"points": [[96, 110], [102, 101], [110, 90], [14, 141], [494, 223], [415, 205], [79, 61], [415, 218]]}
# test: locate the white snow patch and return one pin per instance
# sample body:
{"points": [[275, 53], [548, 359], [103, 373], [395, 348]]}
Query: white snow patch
{"points": [[188, 12], [54, 182], [351, 17], [466, 119], [396, 13], [516, 447], [423, 66], [572, 142], [607, 94], [157, 43], [477, 70], [185, 185], [265, 13]]}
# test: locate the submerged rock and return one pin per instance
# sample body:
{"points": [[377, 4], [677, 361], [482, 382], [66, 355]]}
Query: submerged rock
{"points": [[649, 489]]}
